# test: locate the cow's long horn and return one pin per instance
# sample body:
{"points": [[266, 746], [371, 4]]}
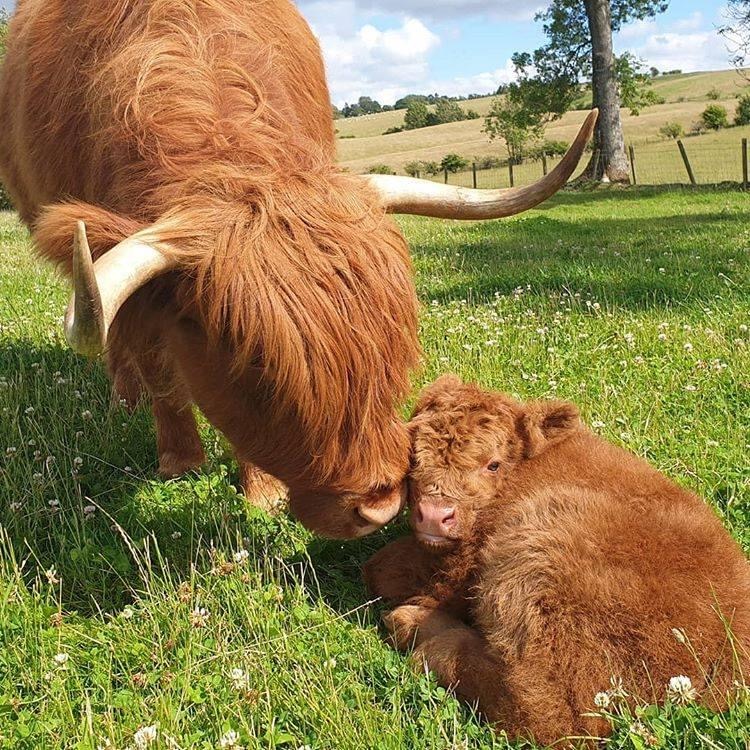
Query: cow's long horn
{"points": [[100, 289], [407, 195]]}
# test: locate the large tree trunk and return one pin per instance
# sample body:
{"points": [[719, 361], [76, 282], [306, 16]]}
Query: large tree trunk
{"points": [[609, 160]]}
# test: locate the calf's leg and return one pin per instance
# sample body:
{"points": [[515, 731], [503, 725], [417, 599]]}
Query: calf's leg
{"points": [[399, 571], [460, 658]]}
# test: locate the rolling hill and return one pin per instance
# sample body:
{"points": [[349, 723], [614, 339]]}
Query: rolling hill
{"points": [[362, 143]]}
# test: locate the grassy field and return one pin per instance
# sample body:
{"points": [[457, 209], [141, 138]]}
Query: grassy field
{"points": [[132, 607], [362, 144]]}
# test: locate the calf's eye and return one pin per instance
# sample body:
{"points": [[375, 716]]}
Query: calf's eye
{"points": [[493, 467]]}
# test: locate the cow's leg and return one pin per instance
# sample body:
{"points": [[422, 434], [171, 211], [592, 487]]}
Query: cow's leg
{"points": [[127, 387], [261, 489], [177, 440], [399, 571], [460, 658]]}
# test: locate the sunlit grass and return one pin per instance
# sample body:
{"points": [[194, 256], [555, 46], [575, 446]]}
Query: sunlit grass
{"points": [[634, 304]]}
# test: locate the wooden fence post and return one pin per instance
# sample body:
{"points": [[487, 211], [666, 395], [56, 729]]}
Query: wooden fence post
{"points": [[690, 172], [474, 173], [744, 164], [446, 176], [510, 172], [632, 163], [544, 164]]}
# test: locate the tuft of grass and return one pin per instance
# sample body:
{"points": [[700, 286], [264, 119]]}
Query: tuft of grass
{"points": [[180, 608]]}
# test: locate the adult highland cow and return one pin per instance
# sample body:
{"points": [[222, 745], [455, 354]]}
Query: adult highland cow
{"points": [[220, 257]]}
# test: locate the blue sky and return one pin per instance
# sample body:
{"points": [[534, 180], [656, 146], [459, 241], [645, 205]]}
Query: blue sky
{"points": [[387, 48]]}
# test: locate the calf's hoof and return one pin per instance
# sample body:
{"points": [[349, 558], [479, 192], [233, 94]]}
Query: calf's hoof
{"points": [[403, 625]]}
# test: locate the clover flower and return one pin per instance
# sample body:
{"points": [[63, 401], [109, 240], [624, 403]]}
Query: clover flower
{"points": [[230, 741], [239, 678], [199, 617], [145, 736], [680, 690], [602, 700]]}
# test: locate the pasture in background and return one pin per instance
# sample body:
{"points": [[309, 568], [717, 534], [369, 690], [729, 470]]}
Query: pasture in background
{"points": [[129, 603], [716, 157]]}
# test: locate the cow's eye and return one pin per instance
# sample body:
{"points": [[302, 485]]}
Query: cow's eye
{"points": [[493, 466]]}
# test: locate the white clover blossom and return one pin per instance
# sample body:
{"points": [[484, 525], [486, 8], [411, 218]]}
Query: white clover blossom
{"points": [[601, 700], [230, 741], [145, 736], [241, 556], [239, 679], [61, 659], [199, 617], [680, 690]]}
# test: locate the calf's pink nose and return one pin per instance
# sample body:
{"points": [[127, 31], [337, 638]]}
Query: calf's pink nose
{"points": [[434, 519]]}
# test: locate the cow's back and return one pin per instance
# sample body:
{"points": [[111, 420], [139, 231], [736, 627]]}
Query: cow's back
{"points": [[69, 119]]}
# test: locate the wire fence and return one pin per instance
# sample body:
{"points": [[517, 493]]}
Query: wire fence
{"points": [[663, 163]]}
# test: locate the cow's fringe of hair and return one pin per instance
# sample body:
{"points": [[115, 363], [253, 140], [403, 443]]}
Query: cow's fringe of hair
{"points": [[292, 261]]}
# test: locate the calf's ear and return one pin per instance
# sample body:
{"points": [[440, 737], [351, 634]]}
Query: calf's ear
{"points": [[434, 395], [545, 423]]}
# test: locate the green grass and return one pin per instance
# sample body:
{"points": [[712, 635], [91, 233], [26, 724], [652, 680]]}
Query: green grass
{"points": [[632, 303]]}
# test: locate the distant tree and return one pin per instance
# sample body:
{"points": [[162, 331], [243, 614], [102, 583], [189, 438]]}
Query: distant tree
{"points": [[672, 130], [454, 163], [516, 124], [715, 117], [654, 72], [713, 94], [380, 169], [472, 114], [742, 115], [369, 106], [737, 31], [417, 116], [405, 101], [448, 111], [413, 168]]}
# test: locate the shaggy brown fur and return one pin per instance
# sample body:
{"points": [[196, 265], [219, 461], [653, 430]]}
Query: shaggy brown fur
{"points": [[561, 561], [292, 319]]}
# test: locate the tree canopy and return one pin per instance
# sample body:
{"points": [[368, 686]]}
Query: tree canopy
{"points": [[737, 30], [566, 59]]}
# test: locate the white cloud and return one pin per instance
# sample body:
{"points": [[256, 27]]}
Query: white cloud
{"points": [[703, 50], [691, 23], [383, 64], [638, 29], [481, 83]]}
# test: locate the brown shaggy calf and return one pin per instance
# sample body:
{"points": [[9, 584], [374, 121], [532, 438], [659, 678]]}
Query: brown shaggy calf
{"points": [[545, 561]]}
